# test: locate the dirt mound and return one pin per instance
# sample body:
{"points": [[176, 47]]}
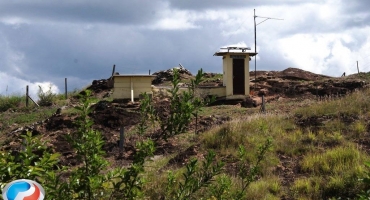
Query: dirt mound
{"points": [[294, 83], [288, 74], [299, 74], [211, 79], [294, 88], [100, 88], [167, 75], [108, 117]]}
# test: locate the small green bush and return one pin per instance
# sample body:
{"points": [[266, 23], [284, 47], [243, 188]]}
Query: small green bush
{"points": [[46, 98]]}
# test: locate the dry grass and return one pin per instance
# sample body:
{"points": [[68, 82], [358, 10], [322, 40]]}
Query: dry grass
{"points": [[327, 156]]}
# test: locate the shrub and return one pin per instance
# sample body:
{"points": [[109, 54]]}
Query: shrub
{"points": [[33, 162], [45, 98], [182, 106]]}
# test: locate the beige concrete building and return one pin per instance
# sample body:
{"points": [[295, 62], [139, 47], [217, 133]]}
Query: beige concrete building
{"points": [[235, 79], [236, 70], [131, 86]]}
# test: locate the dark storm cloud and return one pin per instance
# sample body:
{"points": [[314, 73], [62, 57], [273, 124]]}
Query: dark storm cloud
{"points": [[55, 52], [116, 11], [222, 4], [81, 40], [356, 6]]}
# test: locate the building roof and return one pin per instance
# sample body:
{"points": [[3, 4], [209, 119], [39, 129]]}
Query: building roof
{"points": [[235, 50], [225, 53]]}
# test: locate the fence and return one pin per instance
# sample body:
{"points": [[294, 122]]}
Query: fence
{"points": [[28, 96]]}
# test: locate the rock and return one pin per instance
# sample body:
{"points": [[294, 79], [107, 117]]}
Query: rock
{"points": [[249, 103]]}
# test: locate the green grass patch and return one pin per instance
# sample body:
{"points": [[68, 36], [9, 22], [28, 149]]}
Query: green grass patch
{"points": [[334, 161], [212, 79], [266, 188], [307, 188], [26, 117], [339, 168], [350, 105], [11, 102]]}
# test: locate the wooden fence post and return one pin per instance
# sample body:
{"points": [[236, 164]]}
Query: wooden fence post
{"points": [[27, 96], [196, 123], [24, 144], [263, 104], [114, 69], [121, 139], [65, 86]]}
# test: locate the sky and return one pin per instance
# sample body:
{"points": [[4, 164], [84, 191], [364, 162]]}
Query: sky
{"points": [[44, 42]]}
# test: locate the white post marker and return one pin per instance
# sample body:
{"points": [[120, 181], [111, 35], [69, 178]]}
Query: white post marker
{"points": [[132, 90]]}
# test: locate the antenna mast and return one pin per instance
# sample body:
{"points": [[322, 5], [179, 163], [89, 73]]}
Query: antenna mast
{"points": [[255, 43]]}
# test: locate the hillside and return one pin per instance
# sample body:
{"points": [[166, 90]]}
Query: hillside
{"points": [[319, 127]]}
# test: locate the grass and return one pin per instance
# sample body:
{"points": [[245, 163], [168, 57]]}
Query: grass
{"points": [[355, 104], [334, 161], [326, 160], [265, 188], [19, 115], [212, 79], [11, 102], [307, 188]]}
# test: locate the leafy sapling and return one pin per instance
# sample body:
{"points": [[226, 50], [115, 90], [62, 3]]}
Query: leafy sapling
{"points": [[248, 174], [183, 106], [195, 177]]}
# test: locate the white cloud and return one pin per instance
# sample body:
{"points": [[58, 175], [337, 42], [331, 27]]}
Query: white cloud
{"points": [[326, 53], [170, 23], [15, 86], [173, 19], [14, 21], [239, 44], [306, 51]]}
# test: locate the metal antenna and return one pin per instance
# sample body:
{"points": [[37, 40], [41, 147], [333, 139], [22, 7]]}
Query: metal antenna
{"points": [[255, 43]]}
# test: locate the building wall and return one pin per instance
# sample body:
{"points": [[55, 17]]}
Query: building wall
{"points": [[214, 91], [246, 75], [228, 78], [229, 75], [122, 86], [224, 61], [202, 91]]}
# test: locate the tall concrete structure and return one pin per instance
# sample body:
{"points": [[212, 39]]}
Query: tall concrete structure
{"points": [[236, 70]]}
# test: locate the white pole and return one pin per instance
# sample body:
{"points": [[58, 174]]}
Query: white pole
{"points": [[132, 91]]}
